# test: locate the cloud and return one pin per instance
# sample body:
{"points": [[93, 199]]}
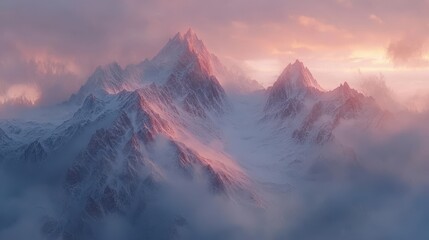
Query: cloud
{"points": [[376, 87], [418, 102], [21, 92], [57, 44], [380, 195], [347, 3], [373, 186], [316, 24], [410, 50], [376, 19]]}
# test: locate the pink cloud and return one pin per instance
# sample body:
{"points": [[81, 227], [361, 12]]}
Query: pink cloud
{"points": [[57, 44], [316, 24], [409, 50]]}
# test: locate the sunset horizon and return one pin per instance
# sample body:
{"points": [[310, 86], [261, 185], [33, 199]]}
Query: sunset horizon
{"points": [[362, 40], [233, 119]]}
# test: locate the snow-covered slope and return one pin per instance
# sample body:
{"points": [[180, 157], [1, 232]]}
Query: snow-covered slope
{"points": [[180, 122], [310, 113], [183, 63]]}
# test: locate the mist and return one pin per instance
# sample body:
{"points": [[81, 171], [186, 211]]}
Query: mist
{"points": [[381, 192], [55, 45]]}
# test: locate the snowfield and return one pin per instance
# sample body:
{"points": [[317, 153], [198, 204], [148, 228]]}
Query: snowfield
{"points": [[181, 147]]}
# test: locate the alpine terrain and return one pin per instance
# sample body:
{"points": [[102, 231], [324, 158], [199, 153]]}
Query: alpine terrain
{"points": [[179, 146]]}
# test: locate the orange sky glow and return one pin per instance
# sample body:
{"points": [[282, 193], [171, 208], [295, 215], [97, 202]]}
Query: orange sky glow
{"points": [[48, 52]]}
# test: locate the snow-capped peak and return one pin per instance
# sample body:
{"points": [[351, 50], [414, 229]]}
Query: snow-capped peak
{"points": [[107, 79], [187, 51], [183, 58], [345, 87], [183, 49], [106, 75], [295, 82], [194, 43], [297, 76], [344, 91]]}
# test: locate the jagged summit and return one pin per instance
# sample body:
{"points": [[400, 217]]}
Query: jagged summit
{"points": [[316, 112], [189, 46], [297, 76], [183, 63], [189, 34], [181, 42], [344, 91], [183, 55], [184, 49], [107, 79], [343, 87], [295, 82], [166, 129]]}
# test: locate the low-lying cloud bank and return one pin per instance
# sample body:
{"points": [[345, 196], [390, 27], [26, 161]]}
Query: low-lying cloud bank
{"points": [[382, 193]]}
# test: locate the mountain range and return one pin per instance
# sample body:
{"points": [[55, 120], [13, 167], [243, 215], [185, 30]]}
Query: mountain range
{"points": [[177, 124]]}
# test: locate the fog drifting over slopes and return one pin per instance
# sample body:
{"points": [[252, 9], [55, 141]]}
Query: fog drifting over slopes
{"points": [[48, 48], [382, 194]]}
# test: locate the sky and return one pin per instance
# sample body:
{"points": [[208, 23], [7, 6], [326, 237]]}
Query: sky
{"points": [[48, 48]]}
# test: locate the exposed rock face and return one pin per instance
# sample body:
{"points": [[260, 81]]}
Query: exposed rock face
{"points": [[313, 113], [123, 162], [4, 138], [34, 153], [294, 84], [141, 131], [125, 148]]}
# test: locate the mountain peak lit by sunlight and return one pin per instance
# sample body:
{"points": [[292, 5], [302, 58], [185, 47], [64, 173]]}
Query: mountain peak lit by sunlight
{"points": [[228, 119]]}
